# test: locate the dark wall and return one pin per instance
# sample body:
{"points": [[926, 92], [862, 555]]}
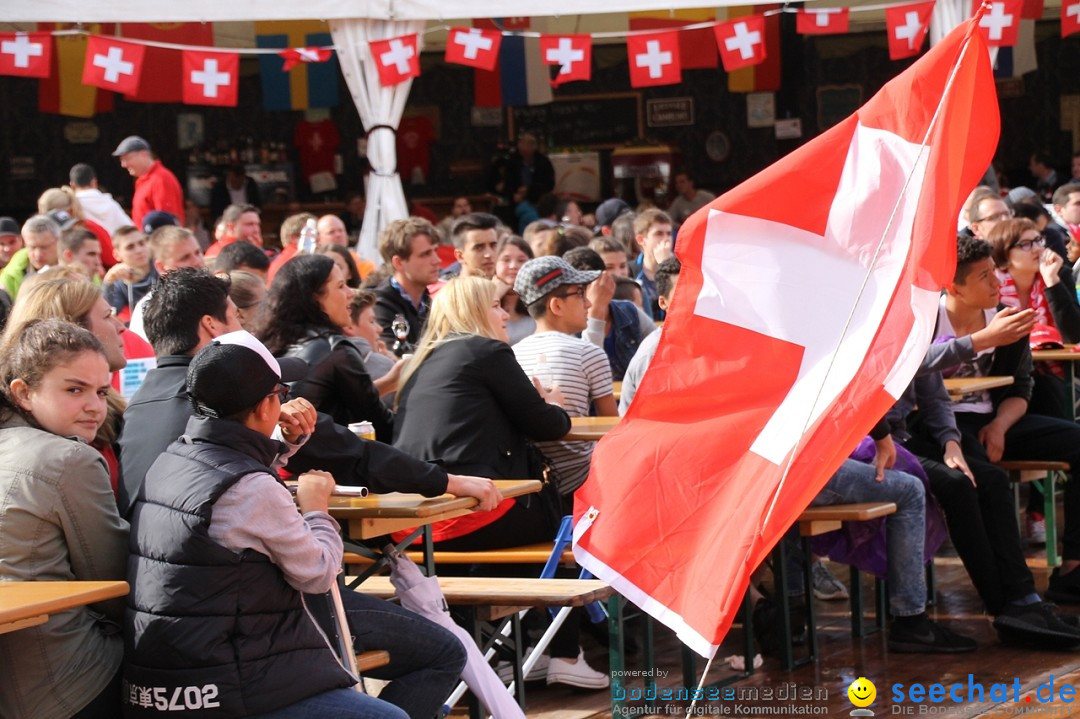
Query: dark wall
{"points": [[1028, 122]]}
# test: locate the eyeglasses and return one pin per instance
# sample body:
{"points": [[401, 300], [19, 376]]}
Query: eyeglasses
{"points": [[579, 293], [996, 217], [1026, 245], [282, 391]]}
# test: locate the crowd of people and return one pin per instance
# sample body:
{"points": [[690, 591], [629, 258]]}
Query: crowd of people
{"points": [[468, 351]]}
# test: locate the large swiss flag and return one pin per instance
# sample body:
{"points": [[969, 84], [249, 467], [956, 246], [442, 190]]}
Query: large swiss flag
{"points": [[794, 327], [113, 64], [1001, 22], [210, 78], [473, 46], [396, 59], [907, 26]]}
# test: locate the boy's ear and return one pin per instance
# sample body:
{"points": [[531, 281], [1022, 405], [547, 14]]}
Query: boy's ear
{"points": [[662, 301]]}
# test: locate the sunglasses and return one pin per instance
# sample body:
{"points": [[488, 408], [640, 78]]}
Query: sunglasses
{"points": [[282, 391]]}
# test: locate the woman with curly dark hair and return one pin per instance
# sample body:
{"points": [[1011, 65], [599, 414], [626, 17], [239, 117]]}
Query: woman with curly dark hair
{"points": [[306, 308], [343, 259]]}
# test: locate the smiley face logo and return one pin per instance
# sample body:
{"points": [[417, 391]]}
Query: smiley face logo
{"points": [[862, 692]]}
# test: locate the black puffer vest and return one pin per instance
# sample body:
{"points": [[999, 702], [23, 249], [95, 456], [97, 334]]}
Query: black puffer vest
{"points": [[208, 632]]}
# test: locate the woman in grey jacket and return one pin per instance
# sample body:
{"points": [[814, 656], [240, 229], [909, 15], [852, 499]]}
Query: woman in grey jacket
{"points": [[58, 522]]}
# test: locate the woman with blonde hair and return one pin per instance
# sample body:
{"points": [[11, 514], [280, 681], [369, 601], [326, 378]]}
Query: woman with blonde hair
{"points": [[79, 301], [63, 199], [466, 404]]}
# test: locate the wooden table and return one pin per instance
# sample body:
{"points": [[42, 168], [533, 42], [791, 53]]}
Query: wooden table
{"points": [[959, 386], [591, 429], [379, 514], [616, 390], [27, 604], [1067, 357]]}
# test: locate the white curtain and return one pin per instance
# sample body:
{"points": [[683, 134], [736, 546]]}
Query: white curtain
{"points": [[380, 111]]}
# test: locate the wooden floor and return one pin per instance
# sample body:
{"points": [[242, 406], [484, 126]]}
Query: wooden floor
{"points": [[842, 660]]}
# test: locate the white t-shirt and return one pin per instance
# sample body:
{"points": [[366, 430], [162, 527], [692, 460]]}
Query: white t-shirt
{"points": [[582, 372]]}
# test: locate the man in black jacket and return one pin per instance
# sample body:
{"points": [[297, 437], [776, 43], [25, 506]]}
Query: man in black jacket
{"points": [[409, 247], [996, 425], [188, 309]]}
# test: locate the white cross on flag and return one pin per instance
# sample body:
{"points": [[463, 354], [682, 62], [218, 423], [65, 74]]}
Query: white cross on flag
{"points": [[397, 59], [211, 78], [26, 54], [572, 54], [654, 59], [1001, 23], [1070, 17], [293, 56], [822, 21], [473, 46], [795, 326], [113, 64], [741, 42], [907, 26]]}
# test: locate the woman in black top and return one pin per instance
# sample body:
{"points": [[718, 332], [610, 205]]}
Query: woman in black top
{"points": [[306, 307]]}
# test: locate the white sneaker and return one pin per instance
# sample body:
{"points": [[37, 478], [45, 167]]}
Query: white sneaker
{"points": [[1036, 526], [578, 674], [538, 673], [825, 585]]}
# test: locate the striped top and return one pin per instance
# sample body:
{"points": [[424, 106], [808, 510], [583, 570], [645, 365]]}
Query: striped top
{"points": [[581, 371]]}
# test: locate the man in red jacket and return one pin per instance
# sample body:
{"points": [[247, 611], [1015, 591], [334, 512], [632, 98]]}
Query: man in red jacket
{"points": [[155, 187]]}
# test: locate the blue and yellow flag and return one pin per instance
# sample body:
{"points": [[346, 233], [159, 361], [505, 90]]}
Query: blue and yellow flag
{"points": [[308, 85]]}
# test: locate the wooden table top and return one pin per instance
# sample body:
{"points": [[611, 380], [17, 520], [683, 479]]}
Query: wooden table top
{"points": [[379, 514], [957, 386], [26, 604], [590, 429], [1071, 353], [508, 591], [616, 388]]}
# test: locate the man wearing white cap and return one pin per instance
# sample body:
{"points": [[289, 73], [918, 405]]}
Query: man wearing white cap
{"points": [[156, 188]]}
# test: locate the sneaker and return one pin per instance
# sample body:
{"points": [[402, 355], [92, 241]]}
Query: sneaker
{"points": [[826, 586], [1064, 588], [1036, 528], [1036, 624], [928, 637], [538, 673], [579, 674]]}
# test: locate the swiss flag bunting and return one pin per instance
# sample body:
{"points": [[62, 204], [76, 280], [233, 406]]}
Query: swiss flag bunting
{"points": [[210, 78], [907, 26], [572, 54], [113, 64], [1032, 10], [27, 54], [1000, 24], [473, 46], [293, 56], [397, 59], [1070, 17], [654, 59], [741, 42], [822, 21]]}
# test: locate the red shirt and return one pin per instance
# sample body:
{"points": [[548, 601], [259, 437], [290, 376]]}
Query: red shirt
{"points": [[284, 256], [213, 250], [158, 189]]}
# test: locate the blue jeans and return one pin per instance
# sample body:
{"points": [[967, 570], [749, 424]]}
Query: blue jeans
{"points": [[905, 530], [425, 659], [338, 704]]}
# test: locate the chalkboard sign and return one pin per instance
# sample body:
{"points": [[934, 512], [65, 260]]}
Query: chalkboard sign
{"points": [[606, 120]]}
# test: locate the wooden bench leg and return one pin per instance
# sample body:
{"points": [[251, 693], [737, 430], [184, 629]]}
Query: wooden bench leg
{"points": [[1048, 486], [616, 652]]}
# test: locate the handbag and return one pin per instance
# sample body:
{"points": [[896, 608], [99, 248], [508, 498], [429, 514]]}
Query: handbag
{"points": [[551, 500]]}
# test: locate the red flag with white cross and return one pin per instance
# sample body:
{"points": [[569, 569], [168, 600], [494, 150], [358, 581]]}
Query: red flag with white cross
{"points": [[113, 64], [572, 54], [397, 59], [654, 59], [741, 42], [293, 56], [1000, 24], [210, 78], [26, 54], [821, 21], [473, 46], [907, 26], [795, 325], [1070, 17]]}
